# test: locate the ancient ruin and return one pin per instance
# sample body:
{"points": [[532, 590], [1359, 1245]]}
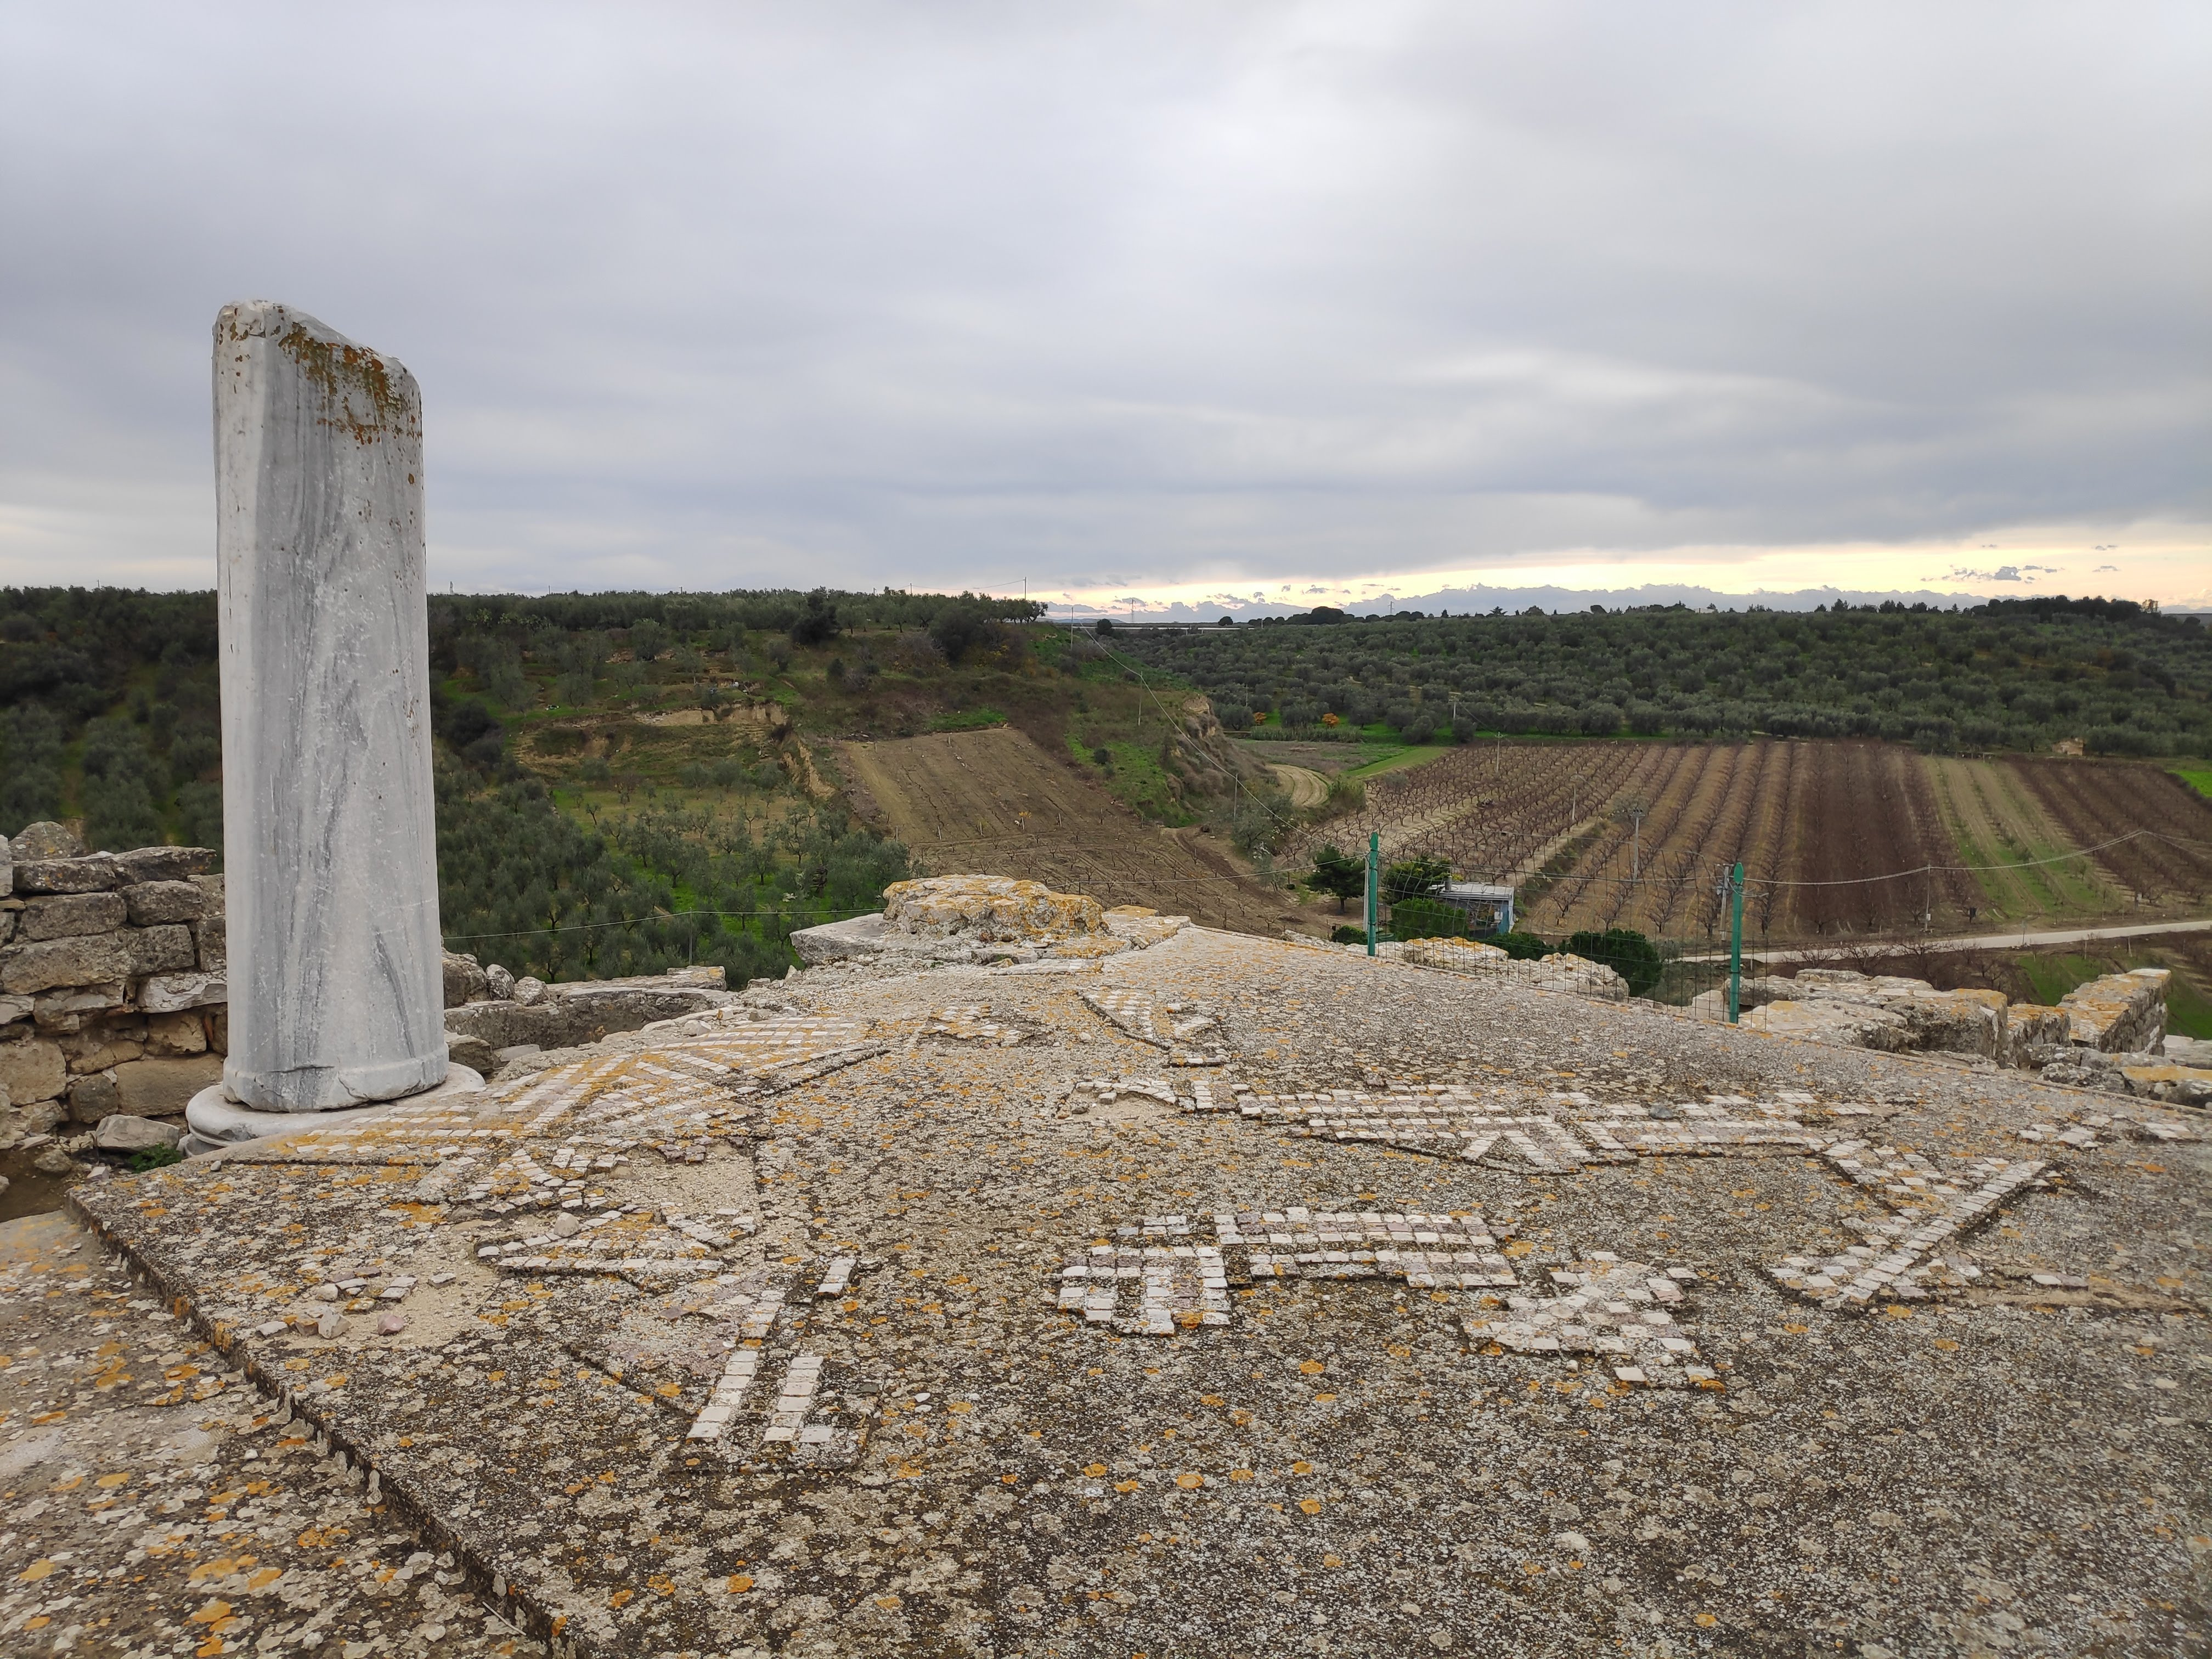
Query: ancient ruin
{"points": [[1216, 1294], [329, 842], [1022, 1276]]}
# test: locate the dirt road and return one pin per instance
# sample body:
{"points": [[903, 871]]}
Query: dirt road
{"points": [[1305, 786]]}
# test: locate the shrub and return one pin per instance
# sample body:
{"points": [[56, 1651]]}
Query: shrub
{"points": [[960, 630], [1411, 879], [200, 814], [1337, 874], [1344, 795], [1521, 947]]}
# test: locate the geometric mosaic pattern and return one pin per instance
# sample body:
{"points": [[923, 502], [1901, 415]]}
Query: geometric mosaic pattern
{"points": [[1573, 1133], [1928, 1209], [1191, 1037], [1899, 1256], [1615, 1310], [1164, 1276]]}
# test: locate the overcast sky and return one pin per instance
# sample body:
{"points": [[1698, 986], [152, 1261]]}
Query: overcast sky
{"points": [[1182, 299]]}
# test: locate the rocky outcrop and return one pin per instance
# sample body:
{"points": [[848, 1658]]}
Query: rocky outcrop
{"points": [[946, 919], [2104, 1034], [1559, 971], [112, 995], [989, 909]]}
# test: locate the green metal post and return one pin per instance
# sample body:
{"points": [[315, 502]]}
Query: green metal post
{"points": [[1735, 944], [1374, 857]]}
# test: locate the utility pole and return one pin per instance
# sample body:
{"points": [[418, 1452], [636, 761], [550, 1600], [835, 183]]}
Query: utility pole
{"points": [[1735, 944], [1374, 861]]}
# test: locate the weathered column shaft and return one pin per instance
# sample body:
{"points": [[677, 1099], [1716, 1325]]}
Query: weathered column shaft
{"points": [[329, 838]]}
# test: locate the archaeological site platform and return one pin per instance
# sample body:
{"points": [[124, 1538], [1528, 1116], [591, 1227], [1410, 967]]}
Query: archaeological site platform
{"points": [[1134, 1288]]}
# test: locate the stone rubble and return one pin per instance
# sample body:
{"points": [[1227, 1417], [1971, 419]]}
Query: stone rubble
{"points": [[487, 1032], [2104, 1034], [983, 918], [1560, 971]]}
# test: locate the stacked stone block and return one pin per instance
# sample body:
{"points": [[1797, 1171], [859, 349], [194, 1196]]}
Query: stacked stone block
{"points": [[113, 990]]}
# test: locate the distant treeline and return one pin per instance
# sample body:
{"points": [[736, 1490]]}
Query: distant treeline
{"points": [[712, 617], [118, 687], [2016, 674], [109, 705]]}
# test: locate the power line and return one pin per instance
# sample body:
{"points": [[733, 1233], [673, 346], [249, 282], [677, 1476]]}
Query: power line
{"points": [[2026, 863], [633, 921]]}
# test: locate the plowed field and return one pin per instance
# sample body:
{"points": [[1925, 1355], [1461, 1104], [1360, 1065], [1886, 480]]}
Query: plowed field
{"points": [[2153, 832], [1836, 838], [991, 803], [1995, 820], [1498, 812]]}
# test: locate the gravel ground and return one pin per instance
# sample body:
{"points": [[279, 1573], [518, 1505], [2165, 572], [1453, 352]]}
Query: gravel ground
{"points": [[2005, 1463]]}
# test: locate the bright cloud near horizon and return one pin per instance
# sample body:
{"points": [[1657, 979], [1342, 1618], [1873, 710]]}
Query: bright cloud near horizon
{"points": [[1269, 303]]}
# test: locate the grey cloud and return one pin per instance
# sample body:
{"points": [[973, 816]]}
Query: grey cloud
{"points": [[972, 293]]}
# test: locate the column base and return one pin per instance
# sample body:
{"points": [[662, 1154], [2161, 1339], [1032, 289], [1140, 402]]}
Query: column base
{"points": [[216, 1119]]}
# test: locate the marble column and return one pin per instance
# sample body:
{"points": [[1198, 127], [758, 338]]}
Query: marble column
{"points": [[329, 849]]}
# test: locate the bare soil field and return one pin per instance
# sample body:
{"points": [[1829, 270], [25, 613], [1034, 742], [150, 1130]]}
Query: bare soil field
{"points": [[1866, 814], [993, 803]]}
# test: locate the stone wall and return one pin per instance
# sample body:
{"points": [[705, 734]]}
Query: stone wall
{"points": [[112, 996], [2120, 1013]]}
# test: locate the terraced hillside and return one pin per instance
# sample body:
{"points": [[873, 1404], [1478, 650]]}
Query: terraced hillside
{"points": [[991, 802]]}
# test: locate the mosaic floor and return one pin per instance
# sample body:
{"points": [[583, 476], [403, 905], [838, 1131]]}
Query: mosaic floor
{"points": [[678, 1343]]}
